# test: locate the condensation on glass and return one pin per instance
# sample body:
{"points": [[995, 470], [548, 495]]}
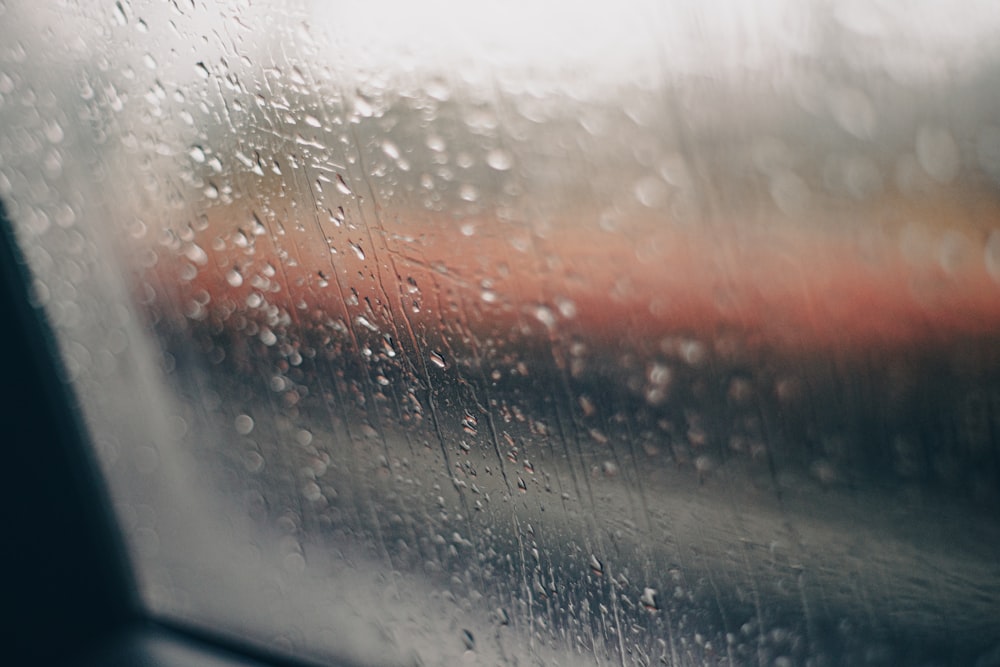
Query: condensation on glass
{"points": [[534, 333]]}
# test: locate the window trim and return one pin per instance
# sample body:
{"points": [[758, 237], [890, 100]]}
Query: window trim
{"points": [[71, 596]]}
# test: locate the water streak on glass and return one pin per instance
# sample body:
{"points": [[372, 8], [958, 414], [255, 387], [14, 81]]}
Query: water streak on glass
{"points": [[419, 333]]}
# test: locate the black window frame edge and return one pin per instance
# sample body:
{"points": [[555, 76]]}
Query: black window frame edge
{"points": [[70, 595]]}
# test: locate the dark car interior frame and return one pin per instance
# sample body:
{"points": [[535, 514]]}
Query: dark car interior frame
{"points": [[70, 596]]}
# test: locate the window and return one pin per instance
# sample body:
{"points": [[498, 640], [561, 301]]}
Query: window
{"points": [[529, 333]]}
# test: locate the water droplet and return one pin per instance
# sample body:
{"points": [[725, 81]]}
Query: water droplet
{"points": [[311, 491], [337, 216], [437, 359], [692, 352], [703, 465], [824, 471], [201, 69], [987, 150], [954, 251], [357, 250], [294, 563], [438, 90], [53, 163], [366, 323], [312, 121], [390, 149], [234, 278], [862, 178], [545, 316], [853, 111], [243, 424], [993, 255], [566, 307], [596, 566], [363, 108], [790, 193], [468, 640], [197, 153], [659, 374], [7, 84], [257, 227], [651, 192], [342, 186], [674, 170], [65, 216], [267, 337], [937, 153], [195, 253], [468, 192], [147, 459], [149, 61], [470, 424], [54, 132], [649, 600], [499, 159], [435, 143], [188, 272]]}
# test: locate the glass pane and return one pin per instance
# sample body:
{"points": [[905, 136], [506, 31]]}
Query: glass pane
{"points": [[531, 333]]}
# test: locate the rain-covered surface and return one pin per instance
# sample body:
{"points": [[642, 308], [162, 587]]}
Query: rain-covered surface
{"points": [[416, 335]]}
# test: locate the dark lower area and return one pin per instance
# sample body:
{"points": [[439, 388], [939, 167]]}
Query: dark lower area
{"points": [[917, 427], [924, 418]]}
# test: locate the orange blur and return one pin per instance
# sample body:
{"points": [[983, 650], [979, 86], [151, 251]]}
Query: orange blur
{"points": [[783, 287]]}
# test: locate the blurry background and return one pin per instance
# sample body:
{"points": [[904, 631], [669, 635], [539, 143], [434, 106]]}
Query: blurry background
{"points": [[531, 334]]}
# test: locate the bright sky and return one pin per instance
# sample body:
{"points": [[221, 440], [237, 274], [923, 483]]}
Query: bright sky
{"points": [[636, 39]]}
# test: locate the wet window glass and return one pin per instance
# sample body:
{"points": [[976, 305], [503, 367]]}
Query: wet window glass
{"points": [[531, 332]]}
